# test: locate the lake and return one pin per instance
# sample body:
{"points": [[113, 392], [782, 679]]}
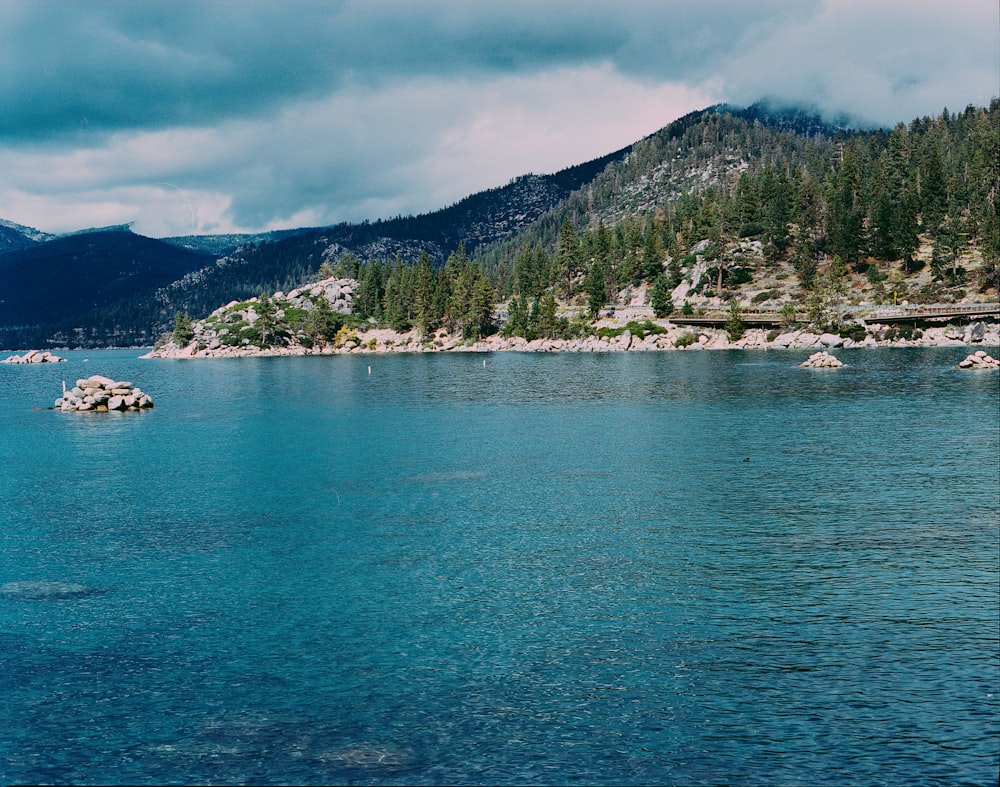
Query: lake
{"points": [[629, 568]]}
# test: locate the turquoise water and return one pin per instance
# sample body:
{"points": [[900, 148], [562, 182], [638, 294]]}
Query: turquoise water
{"points": [[551, 569]]}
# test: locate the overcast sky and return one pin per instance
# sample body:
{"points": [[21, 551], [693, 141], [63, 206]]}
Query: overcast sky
{"points": [[210, 117]]}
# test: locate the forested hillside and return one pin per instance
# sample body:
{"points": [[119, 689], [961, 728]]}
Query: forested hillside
{"points": [[479, 219], [57, 291], [760, 208]]}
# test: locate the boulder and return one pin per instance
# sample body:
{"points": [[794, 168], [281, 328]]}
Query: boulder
{"points": [[34, 356], [785, 340], [830, 340], [821, 360], [101, 394], [979, 360], [975, 333]]}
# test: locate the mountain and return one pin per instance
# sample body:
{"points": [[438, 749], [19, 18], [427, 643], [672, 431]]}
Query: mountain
{"points": [[54, 291], [17, 236], [221, 245], [746, 203], [54, 286]]}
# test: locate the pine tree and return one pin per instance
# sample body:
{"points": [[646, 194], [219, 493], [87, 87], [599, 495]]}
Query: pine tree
{"points": [[734, 321], [659, 297], [568, 257], [546, 320], [423, 296], [183, 328], [480, 318], [933, 189], [517, 318], [265, 327], [322, 322], [597, 289], [652, 251], [846, 219]]}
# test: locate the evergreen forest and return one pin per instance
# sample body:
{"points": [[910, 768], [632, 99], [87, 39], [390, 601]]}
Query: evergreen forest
{"points": [[748, 199]]}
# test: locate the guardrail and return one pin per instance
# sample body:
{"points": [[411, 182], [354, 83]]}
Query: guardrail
{"points": [[866, 313]]}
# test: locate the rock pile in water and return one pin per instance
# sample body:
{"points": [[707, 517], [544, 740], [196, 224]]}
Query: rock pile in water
{"points": [[979, 360], [821, 360], [101, 394], [34, 356]]}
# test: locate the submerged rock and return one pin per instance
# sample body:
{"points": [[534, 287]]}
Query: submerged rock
{"points": [[369, 757], [36, 590]]}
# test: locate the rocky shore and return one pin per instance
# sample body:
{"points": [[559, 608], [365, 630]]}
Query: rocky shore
{"points": [[34, 356], [673, 337]]}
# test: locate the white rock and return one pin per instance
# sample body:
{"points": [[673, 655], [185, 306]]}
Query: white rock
{"points": [[821, 360]]}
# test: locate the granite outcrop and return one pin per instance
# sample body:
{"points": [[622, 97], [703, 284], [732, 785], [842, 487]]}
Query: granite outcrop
{"points": [[102, 394], [34, 356]]}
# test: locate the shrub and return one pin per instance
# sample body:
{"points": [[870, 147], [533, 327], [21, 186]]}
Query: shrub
{"points": [[734, 277], [874, 274], [686, 339], [853, 331], [644, 328]]}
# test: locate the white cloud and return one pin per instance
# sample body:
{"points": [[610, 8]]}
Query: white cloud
{"points": [[306, 113], [886, 61], [412, 148]]}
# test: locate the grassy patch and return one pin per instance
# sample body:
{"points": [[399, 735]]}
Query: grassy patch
{"points": [[634, 327]]}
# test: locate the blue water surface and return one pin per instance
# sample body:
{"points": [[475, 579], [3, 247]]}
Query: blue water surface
{"points": [[548, 569]]}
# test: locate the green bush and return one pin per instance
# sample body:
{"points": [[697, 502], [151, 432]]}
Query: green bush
{"points": [[644, 328], [853, 331], [686, 339]]}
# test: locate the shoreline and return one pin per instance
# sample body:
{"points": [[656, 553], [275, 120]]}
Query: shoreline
{"points": [[380, 341]]}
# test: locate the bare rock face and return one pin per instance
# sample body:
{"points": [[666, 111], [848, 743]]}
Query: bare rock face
{"points": [[979, 360], [821, 360], [34, 356], [101, 394]]}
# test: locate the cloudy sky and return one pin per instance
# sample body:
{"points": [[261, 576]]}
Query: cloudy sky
{"points": [[207, 117]]}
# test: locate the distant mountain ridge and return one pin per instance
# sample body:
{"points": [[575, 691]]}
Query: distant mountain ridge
{"points": [[17, 236], [57, 286]]}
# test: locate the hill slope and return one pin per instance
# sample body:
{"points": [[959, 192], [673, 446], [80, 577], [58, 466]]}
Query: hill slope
{"points": [[60, 284], [53, 286]]}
